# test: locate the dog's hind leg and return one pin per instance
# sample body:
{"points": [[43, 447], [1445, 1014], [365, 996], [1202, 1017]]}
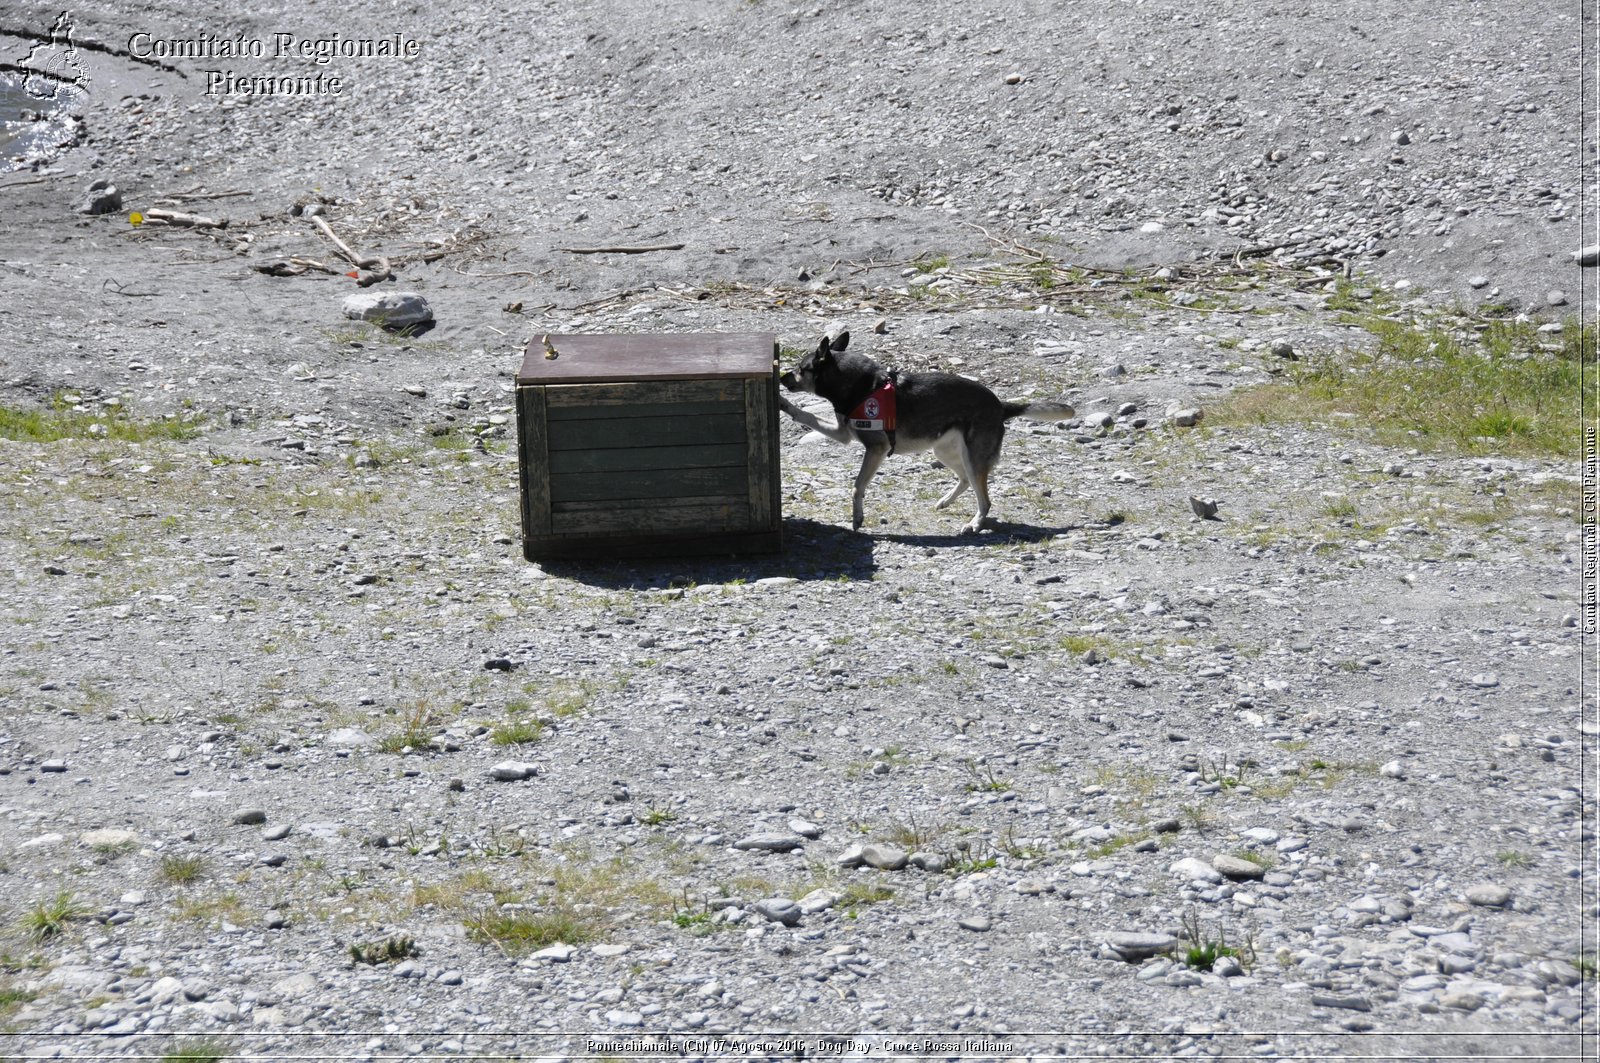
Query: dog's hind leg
{"points": [[951, 452], [980, 487], [869, 468]]}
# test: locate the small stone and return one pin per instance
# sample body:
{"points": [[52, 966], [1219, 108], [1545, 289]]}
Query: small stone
{"points": [[774, 842], [1485, 680], [1135, 946], [818, 900], [852, 856], [977, 923], [1555, 297], [1227, 967], [1127, 408], [1013, 79], [805, 828], [513, 771], [1194, 869], [1237, 868], [1478, 281], [1393, 770], [1462, 1001], [250, 817], [1188, 417], [110, 838], [1112, 372], [1488, 895], [53, 766], [606, 952], [884, 857], [1284, 349], [933, 863], [277, 833], [624, 1018], [560, 952], [1350, 1002], [779, 910]]}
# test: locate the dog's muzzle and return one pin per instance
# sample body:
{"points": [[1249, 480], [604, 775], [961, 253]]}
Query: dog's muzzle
{"points": [[790, 381]]}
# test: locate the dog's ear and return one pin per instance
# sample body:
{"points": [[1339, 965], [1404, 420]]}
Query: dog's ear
{"points": [[824, 352], [841, 341]]}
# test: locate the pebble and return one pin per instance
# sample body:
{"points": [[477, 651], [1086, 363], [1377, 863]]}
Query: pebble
{"points": [[1187, 417], [1237, 868], [513, 771], [1134, 946], [1196, 870], [1488, 895], [884, 857], [1485, 680], [773, 842], [779, 910], [560, 952], [1348, 1002], [976, 923], [250, 817]]}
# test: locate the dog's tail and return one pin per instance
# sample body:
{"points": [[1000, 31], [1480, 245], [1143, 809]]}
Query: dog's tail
{"points": [[1039, 411]]}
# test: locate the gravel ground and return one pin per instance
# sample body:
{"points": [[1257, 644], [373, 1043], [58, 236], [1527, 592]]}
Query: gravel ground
{"points": [[299, 758]]}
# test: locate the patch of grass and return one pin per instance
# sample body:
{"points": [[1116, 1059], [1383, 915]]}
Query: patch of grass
{"points": [[656, 817], [930, 263], [1512, 858], [48, 919], [64, 420], [417, 727], [204, 1050], [180, 870], [1428, 385], [1341, 508], [1116, 844], [12, 998], [213, 910], [516, 932], [516, 732], [857, 896], [984, 779], [1203, 950]]}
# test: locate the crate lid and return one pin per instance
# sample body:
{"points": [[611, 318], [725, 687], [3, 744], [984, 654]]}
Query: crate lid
{"points": [[600, 359]]}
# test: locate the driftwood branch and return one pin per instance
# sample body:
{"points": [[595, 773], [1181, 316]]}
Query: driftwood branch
{"points": [[118, 288], [620, 250], [188, 221], [377, 263], [194, 194]]}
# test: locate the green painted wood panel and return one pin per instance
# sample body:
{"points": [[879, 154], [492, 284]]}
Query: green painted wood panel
{"points": [[628, 459], [605, 432], [647, 483], [666, 519]]}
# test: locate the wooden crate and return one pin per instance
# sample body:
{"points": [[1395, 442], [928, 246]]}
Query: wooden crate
{"points": [[635, 446]]}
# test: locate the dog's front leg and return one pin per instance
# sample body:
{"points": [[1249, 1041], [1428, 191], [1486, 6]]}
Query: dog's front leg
{"points": [[877, 450], [839, 433]]}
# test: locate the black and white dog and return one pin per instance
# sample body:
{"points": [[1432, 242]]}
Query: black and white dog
{"points": [[960, 420]]}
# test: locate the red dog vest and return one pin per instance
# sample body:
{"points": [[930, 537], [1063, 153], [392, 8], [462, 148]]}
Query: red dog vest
{"points": [[876, 412]]}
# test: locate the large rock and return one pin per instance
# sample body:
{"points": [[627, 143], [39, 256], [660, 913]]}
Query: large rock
{"points": [[101, 198], [390, 309]]}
